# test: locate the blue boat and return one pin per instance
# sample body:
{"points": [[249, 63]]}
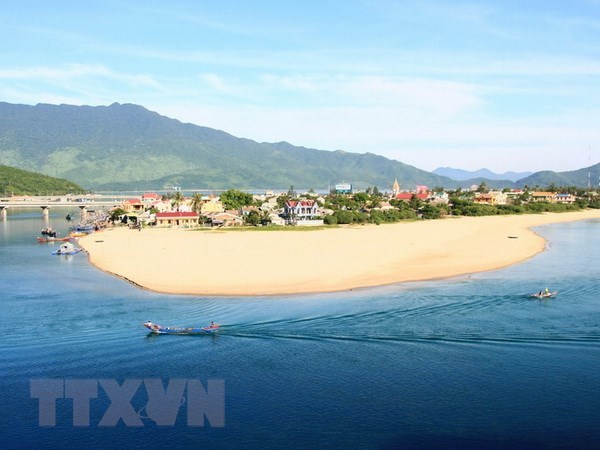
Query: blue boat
{"points": [[159, 329]]}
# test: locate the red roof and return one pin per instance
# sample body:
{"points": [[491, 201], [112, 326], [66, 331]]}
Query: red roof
{"points": [[408, 196], [133, 200], [151, 195], [293, 203], [176, 214]]}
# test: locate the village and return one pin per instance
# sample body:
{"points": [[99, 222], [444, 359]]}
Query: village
{"points": [[343, 205]]}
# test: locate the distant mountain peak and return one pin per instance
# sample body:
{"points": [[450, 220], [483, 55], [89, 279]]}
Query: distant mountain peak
{"points": [[462, 175]]}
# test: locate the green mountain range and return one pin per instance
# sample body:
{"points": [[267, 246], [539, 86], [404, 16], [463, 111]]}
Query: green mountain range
{"points": [[15, 181], [128, 147]]}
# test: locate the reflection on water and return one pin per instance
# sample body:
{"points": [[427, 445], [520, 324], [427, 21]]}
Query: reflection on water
{"points": [[467, 362]]}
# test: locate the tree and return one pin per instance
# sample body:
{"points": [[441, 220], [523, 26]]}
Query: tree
{"points": [[252, 218], [291, 192], [415, 202], [483, 188], [235, 199], [265, 218], [178, 199], [361, 198], [115, 213], [196, 202]]}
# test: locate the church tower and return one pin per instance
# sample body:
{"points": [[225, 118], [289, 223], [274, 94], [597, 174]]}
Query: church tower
{"points": [[396, 187]]}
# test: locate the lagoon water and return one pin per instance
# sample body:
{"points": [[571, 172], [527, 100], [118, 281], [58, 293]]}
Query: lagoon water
{"points": [[469, 362]]}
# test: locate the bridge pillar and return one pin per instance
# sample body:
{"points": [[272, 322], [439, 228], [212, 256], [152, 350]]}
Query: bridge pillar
{"points": [[83, 209], [3, 211], [45, 210]]}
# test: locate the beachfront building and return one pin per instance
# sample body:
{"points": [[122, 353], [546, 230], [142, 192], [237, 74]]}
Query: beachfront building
{"points": [[300, 210], [407, 196], [149, 199], [541, 196], [224, 219], [133, 204], [439, 198], [176, 219], [565, 198], [491, 198]]}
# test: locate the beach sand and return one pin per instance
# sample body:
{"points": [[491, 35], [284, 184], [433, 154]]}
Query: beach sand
{"points": [[239, 263]]}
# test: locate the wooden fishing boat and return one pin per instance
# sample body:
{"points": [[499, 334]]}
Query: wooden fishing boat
{"points": [[42, 240], [159, 329]]}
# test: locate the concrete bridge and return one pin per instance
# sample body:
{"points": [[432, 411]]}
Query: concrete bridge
{"points": [[45, 203]]}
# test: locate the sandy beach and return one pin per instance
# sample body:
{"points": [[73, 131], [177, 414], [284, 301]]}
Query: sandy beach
{"points": [[235, 263]]}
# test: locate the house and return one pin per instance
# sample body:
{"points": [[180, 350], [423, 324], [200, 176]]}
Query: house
{"points": [[213, 206], [299, 210], [483, 198], [133, 204], [245, 210], [407, 196], [542, 197], [276, 219], [491, 198], [385, 206], [176, 218], [565, 198], [150, 198], [440, 198], [224, 219]]}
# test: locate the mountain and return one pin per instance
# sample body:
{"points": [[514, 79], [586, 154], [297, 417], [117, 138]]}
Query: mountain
{"points": [[462, 175], [22, 182], [577, 178], [129, 147]]}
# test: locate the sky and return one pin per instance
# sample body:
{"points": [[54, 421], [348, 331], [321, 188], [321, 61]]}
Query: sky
{"points": [[506, 85]]}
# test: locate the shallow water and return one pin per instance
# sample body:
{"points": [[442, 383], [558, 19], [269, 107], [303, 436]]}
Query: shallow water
{"points": [[466, 362]]}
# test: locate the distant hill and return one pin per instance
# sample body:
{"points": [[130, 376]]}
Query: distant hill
{"points": [[462, 175], [15, 181], [573, 178], [128, 147]]}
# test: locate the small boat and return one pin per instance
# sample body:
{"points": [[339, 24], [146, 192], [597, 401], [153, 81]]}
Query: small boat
{"points": [[159, 329], [67, 249], [77, 234], [84, 228], [543, 294], [48, 232], [42, 240]]}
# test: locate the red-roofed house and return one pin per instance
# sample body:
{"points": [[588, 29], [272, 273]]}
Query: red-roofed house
{"points": [[406, 196], [176, 218], [133, 204], [150, 198], [297, 210]]}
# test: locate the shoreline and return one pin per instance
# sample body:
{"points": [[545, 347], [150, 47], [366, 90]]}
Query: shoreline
{"points": [[184, 262]]}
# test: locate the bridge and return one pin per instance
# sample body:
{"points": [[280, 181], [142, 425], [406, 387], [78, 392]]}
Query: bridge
{"points": [[45, 203]]}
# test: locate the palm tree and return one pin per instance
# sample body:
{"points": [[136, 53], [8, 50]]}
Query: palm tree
{"points": [[177, 200], [196, 202]]}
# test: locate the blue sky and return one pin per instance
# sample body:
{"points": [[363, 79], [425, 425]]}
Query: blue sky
{"points": [[507, 85]]}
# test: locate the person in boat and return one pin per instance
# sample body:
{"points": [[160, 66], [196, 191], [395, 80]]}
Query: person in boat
{"points": [[547, 291]]}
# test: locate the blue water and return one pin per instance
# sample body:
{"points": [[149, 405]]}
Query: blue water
{"points": [[469, 362]]}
